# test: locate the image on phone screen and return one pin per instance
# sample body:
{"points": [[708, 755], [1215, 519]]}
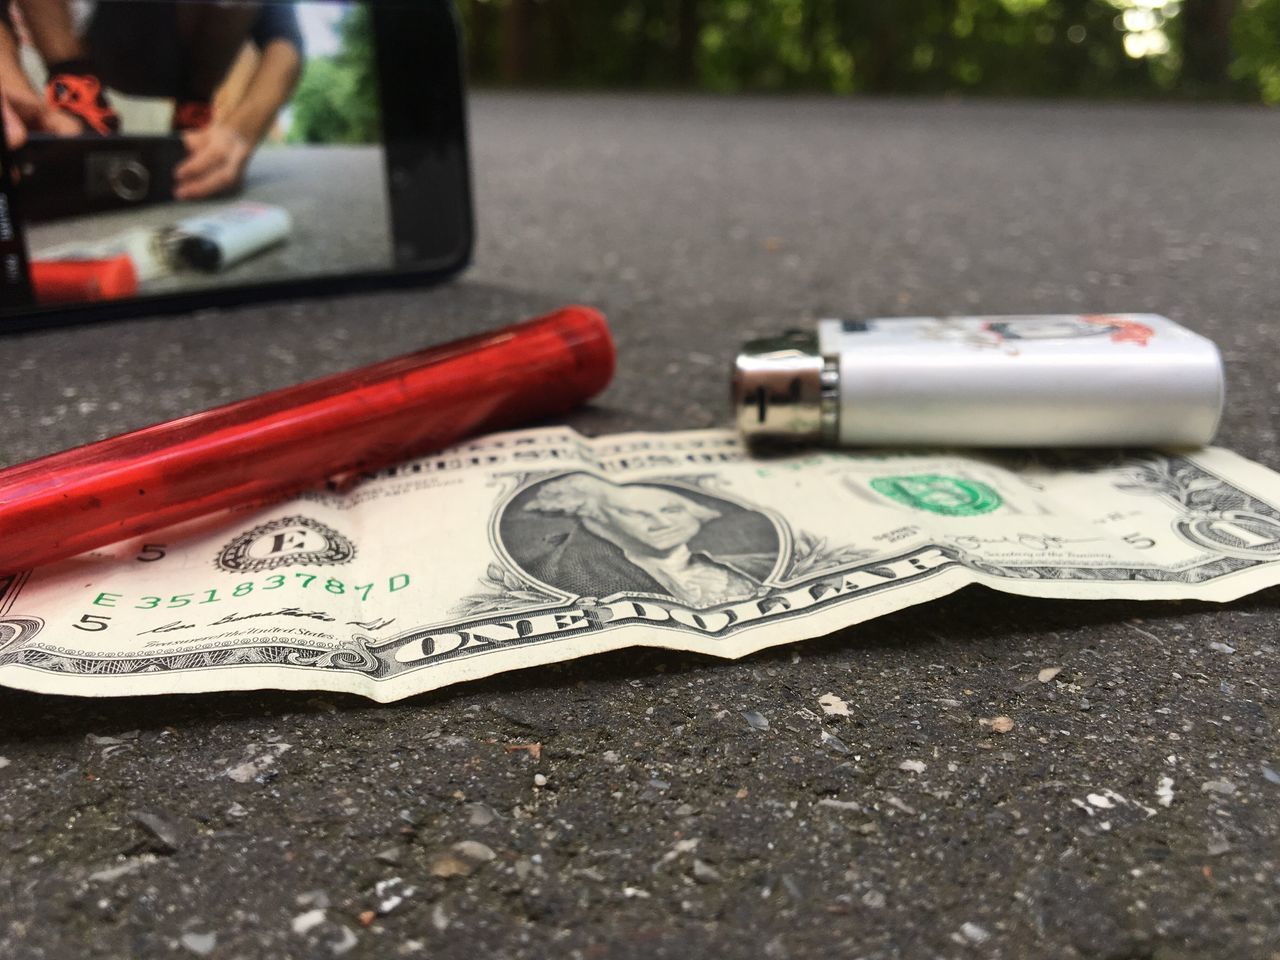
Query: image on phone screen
{"points": [[161, 148]]}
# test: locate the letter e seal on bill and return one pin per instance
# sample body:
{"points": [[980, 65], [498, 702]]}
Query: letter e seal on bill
{"points": [[287, 542]]}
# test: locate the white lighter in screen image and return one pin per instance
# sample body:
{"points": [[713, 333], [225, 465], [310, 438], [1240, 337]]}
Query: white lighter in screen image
{"points": [[221, 239], [1017, 381]]}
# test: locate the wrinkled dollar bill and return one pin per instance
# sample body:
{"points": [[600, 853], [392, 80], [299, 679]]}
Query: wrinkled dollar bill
{"points": [[538, 546]]}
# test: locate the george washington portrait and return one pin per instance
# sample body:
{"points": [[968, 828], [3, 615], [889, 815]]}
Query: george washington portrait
{"points": [[588, 536]]}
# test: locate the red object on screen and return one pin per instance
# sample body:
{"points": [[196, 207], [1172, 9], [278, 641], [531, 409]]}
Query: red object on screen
{"points": [[77, 281], [282, 442]]}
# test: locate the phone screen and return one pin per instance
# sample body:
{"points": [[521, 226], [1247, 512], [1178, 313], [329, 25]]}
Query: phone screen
{"points": [[159, 148]]}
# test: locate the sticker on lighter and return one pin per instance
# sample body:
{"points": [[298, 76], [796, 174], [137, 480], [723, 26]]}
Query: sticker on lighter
{"points": [[1015, 381]]}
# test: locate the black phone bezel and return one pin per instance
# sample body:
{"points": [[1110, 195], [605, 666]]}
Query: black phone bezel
{"points": [[424, 126]]}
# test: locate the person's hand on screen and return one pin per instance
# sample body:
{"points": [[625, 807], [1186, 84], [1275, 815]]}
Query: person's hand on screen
{"points": [[15, 131], [216, 158], [25, 112]]}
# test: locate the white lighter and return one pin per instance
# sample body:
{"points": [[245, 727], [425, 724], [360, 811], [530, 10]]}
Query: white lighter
{"points": [[217, 240], [1016, 381]]}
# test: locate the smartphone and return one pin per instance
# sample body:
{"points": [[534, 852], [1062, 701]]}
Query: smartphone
{"points": [[208, 152]]}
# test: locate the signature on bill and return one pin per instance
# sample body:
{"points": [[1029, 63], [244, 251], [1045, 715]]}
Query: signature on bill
{"points": [[1034, 542]]}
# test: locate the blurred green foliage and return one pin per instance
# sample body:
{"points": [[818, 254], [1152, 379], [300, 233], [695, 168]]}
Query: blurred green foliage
{"points": [[1256, 37], [337, 96], [1224, 48]]}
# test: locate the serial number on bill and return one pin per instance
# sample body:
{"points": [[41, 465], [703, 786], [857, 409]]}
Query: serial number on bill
{"points": [[311, 582]]}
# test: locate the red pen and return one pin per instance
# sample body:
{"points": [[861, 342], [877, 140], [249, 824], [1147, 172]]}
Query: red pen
{"points": [[287, 440]]}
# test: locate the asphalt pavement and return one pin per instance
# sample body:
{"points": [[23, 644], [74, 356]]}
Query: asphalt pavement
{"points": [[663, 822]]}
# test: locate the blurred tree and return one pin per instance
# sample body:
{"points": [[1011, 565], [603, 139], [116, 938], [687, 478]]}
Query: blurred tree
{"points": [[688, 33], [1256, 36], [1004, 47], [517, 39], [1206, 43], [337, 96]]}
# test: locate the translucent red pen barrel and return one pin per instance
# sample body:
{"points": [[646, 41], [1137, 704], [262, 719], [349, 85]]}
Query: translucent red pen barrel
{"points": [[287, 440]]}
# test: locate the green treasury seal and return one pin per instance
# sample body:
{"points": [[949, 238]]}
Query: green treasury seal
{"points": [[948, 496]]}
